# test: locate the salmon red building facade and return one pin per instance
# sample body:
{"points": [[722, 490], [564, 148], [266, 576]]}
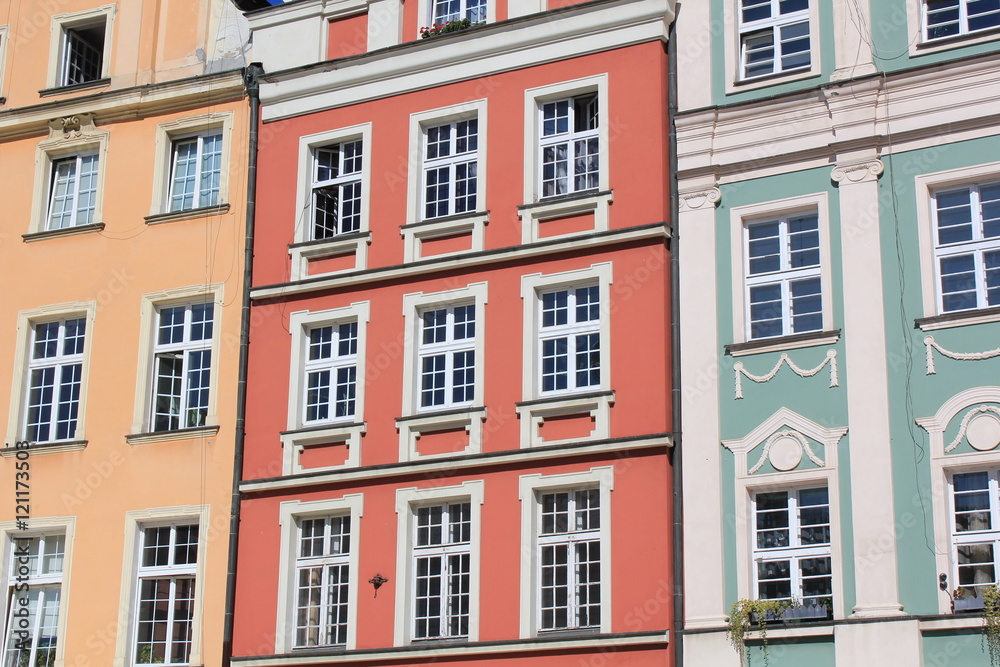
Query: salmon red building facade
{"points": [[458, 412]]}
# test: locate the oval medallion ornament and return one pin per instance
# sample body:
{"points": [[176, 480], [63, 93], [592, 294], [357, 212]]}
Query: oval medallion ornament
{"points": [[785, 453], [984, 432]]}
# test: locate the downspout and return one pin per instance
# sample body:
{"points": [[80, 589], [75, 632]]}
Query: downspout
{"points": [[675, 353], [250, 79]]}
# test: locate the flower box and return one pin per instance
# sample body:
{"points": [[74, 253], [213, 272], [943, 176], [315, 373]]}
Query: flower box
{"points": [[968, 603]]}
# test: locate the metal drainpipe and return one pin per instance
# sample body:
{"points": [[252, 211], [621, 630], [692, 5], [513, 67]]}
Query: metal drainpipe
{"points": [[251, 80], [675, 354]]}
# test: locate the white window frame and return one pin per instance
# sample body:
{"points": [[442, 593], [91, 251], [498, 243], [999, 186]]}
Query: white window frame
{"points": [[795, 552], [451, 163], [425, 10], [407, 501], [167, 136], [944, 465], [26, 322], [152, 303], [775, 23], [748, 483], [172, 572], [186, 348], [59, 25], [61, 362], [534, 100], [784, 277], [963, 23], [301, 323], [441, 552], [735, 80], [531, 489], [740, 218], [305, 246], [974, 537], [291, 513], [62, 144], [418, 227], [455, 315], [4, 38], [135, 522], [532, 288], [976, 247], [39, 526], [78, 215], [926, 185], [471, 413]]}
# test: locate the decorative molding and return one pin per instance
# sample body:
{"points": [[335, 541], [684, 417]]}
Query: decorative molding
{"points": [[857, 172], [936, 424], [798, 439], [794, 425], [932, 345], [695, 199], [964, 427], [71, 127], [831, 358]]}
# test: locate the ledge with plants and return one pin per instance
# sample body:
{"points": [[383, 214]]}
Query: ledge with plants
{"points": [[986, 600], [754, 614], [448, 26]]}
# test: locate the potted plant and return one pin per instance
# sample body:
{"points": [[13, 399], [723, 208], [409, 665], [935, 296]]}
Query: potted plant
{"points": [[966, 600], [746, 613], [448, 26]]}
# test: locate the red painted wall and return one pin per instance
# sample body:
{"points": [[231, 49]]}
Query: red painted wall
{"points": [[639, 362]]}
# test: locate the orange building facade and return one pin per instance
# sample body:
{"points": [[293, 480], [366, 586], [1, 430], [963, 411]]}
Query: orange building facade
{"points": [[458, 412], [123, 134]]}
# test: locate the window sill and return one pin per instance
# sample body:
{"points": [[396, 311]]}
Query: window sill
{"points": [[167, 436], [68, 231], [65, 90], [591, 203], [742, 85], [295, 442], [412, 427], [419, 237], [46, 448], [783, 343], [961, 318], [593, 405], [955, 41], [174, 216], [353, 247]]}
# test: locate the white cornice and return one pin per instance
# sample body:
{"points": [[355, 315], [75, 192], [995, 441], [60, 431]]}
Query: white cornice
{"points": [[434, 264], [480, 53], [125, 104], [422, 467], [900, 112]]}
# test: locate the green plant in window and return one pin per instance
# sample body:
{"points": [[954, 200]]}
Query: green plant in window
{"points": [[991, 623], [746, 613]]}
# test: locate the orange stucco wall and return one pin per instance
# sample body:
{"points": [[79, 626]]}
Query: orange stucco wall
{"points": [[113, 268]]}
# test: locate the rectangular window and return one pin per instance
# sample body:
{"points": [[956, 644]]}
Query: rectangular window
{"points": [[72, 191], [569, 145], [322, 575], [37, 562], [336, 189], [195, 172], [975, 540], [967, 246], [82, 53], [447, 356], [182, 362], [441, 570], [450, 166], [331, 372], [774, 37], [55, 378], [949, 18], [569, 339], [164, 613], [456, 10], [569, 544], [783, 285], [791, 548]]}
